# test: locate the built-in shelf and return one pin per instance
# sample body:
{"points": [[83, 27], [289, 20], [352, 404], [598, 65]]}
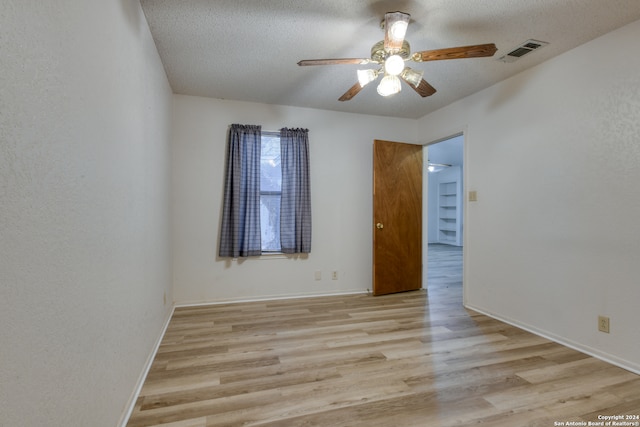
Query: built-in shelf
{"points": [[450, 207]]}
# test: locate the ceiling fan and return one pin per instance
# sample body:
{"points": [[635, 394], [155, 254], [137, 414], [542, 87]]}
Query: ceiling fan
{"points": [[392, 52]]}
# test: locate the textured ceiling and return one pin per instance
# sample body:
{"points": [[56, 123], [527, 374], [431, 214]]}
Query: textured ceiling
{"points": [[247, 50]]}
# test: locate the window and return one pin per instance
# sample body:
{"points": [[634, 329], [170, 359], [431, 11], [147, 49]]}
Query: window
{"points": [[267, 199], [270, 191]]}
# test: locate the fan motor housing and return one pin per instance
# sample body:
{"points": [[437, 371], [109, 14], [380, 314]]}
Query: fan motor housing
{"points": [[378, 54]]}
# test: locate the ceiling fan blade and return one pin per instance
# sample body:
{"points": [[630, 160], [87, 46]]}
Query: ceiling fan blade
{"points": [[353, 91], [424, 89], [395, 28], [475, 51], [360, 61]]}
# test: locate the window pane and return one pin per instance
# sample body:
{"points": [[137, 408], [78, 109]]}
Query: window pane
{"points": [[270, 169], [270, 222], [270, 187]]}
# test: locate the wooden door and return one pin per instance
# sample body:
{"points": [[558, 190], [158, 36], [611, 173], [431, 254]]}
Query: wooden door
{"points": [[397, 217]]}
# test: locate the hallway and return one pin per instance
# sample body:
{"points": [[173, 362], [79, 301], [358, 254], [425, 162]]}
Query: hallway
{"points": [[444, 265]]}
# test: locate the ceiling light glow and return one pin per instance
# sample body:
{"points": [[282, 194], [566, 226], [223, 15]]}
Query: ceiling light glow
{"points": [[366, 76], [398, 30], [394, 65], [389, 85], [395, 24]]}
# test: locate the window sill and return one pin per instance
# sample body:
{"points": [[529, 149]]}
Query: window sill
{"points": [[273, 255], [282, 255]]}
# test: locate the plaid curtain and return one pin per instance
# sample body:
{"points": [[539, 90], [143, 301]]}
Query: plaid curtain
{"points": [[295, 204], [240, 226]]}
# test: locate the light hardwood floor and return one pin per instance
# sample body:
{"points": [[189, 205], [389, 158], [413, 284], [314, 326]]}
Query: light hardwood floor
{"points": [[410, 359]]}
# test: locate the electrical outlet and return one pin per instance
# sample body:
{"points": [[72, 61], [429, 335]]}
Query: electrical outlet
{"points": [[603, 324], [317, 275], [334, 275]]}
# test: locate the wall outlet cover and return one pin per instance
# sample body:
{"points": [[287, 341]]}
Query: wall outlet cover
{"points": [[603, 324]]}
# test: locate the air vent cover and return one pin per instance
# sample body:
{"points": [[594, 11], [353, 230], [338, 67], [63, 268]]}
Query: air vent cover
{"points": [[523, 49]]}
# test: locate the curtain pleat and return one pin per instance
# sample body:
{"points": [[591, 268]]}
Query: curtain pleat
{"points": [[240, 226], [295, 203]]}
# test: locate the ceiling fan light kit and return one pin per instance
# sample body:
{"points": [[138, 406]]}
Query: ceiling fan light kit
{"points": [[395, 26], [412, 77], [391, 54], [393, 65], [389, 85], [437, 167], [367, 76]]}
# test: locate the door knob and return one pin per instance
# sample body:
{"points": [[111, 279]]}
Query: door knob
{"points": [[379, 225]]}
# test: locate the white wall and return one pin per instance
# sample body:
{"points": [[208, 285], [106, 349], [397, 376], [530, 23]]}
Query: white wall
{"points": [[554, 154], [85, 113], [341, 186]]}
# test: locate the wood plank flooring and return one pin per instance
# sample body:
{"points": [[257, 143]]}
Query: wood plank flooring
{"points": [[410, 359]]}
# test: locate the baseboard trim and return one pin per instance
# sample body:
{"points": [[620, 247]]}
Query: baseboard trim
{"points": [[266, 298], [143, 376], [605, 357]]}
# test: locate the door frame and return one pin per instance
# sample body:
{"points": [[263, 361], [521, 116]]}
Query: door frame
{"points": [[425, 207]]}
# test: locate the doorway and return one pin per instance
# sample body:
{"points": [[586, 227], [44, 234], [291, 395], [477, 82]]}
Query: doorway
{"points": [[443, 216]]}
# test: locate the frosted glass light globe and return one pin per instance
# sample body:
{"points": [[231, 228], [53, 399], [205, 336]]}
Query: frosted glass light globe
{"points": [[394, 65], [389, 85], [398, 30]]}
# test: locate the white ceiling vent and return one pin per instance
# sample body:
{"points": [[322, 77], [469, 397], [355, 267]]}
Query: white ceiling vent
{"points": [[522, 50]]}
